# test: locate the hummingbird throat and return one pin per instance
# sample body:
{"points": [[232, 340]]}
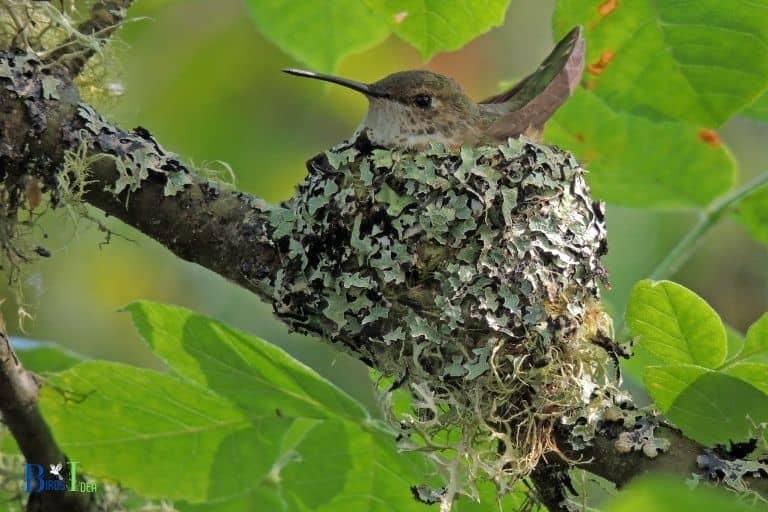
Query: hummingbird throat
{"points": [[391, 124]]}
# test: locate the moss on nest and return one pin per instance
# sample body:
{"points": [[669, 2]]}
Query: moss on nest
{"points": [[469, 278]]}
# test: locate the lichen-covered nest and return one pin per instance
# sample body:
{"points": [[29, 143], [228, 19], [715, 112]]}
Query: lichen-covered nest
{"points": [[470, 278]]}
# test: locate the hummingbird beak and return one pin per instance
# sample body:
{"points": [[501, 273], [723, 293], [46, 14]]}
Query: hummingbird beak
{"points": [[344, 82]]}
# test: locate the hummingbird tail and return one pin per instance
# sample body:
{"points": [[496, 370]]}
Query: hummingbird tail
{"points": [[533, 100]]}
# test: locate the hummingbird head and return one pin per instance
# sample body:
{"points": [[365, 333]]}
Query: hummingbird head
{"points": [[410, 109]]}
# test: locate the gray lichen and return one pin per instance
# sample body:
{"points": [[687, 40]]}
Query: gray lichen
{"points": [[23, 191], [469, 278], [732, 472], [135, 163], [642, 438]]}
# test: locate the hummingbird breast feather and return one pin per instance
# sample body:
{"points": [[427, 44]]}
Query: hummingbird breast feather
{"points": [[391, 124]]}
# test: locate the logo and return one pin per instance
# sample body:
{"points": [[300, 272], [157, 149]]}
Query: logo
{"points": [[56, 478]]}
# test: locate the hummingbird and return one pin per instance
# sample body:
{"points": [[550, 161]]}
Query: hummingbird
{"points": [[411, 109]]}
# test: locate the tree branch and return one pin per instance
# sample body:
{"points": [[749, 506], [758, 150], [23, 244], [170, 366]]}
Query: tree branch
{"points": [[204, 222], [621, 452], [18, 405]]}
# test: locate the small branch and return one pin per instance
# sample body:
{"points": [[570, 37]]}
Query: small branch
{"points": [[203, 222], [106, 17], [679, 458], [18, 404], [707, 220]]}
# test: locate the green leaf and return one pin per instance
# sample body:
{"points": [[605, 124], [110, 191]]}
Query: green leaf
{"points": [[168, 438], [40, 356], [251, 428], [638, 162], [254, 374], [369, 476], [318, 33], [753, 212], [518, 499], [759, 109], [326, 466], [710, 407], [699, 62], [751, 363], [434, 26], [755, 374], [675, 325], [756, 342], [660, 76], [735, 341], [662, 493], [140, 427], [8, 445], [666, 383]]}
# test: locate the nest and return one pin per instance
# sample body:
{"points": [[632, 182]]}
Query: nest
{"points": [[468, 278]]}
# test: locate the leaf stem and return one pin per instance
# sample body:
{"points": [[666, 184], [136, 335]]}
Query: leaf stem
{"points": [[708, 218]]}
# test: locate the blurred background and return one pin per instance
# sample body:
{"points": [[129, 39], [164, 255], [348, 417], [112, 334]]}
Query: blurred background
{"points": [[200, 77]]}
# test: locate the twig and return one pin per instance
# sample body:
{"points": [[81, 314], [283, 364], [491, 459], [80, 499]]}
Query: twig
{"points": [[106, 17], [681, 457], [18, 404], [708, 218]]}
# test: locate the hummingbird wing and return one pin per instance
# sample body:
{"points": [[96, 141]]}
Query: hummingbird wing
{"points": [[531, 102]]}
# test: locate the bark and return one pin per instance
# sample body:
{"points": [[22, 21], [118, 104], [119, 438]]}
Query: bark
{"points": [[18, 403]]}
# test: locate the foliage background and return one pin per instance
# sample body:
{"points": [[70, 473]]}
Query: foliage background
{"points": [[201, 77]]}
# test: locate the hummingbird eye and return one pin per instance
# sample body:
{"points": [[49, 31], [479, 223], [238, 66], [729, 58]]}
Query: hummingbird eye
{"points": [[422, 100]]}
